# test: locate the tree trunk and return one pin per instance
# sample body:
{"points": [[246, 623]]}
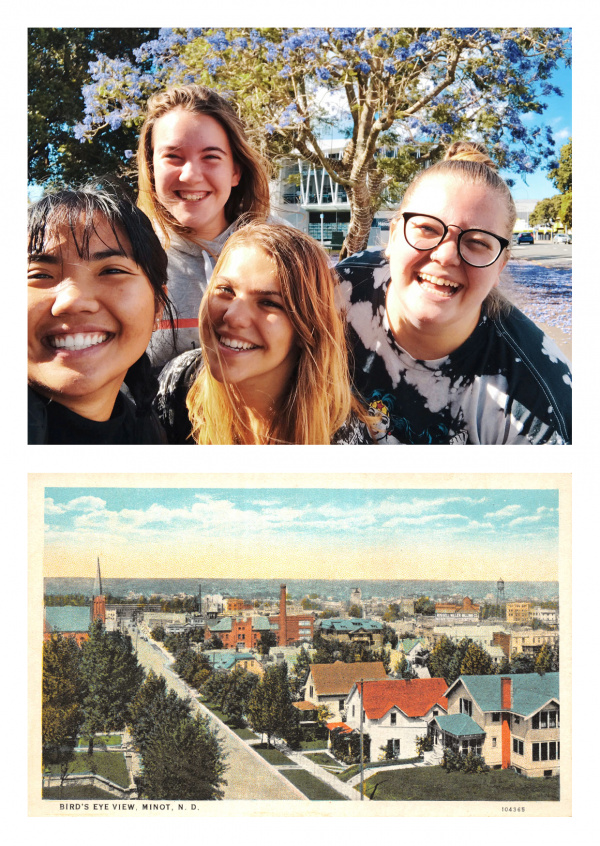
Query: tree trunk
{"points": [[362, 213]]}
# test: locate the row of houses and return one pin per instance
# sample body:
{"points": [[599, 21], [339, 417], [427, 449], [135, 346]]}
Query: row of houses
{"points": [[511, 721]]}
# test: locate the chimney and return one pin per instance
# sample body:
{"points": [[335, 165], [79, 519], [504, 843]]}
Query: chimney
{"points": [[282, 616], [505, 693]]}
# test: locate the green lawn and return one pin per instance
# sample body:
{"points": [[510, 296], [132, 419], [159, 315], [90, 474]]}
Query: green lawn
{"points": [[434, 784], [242, 731], [79, 792], [354, 769], [273, 756], [312, 787], [313, 744], [111, 765], [323, 759], [106, 739]]}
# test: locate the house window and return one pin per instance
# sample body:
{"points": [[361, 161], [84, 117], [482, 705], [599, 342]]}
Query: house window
{"points": [[466, 707], [545, 751], [493, 741], [393, 718], [353, 710], [394, 747], [341, 704], [517, 746], [311, 690], [545, 719], [496, 717], [516, 719]]}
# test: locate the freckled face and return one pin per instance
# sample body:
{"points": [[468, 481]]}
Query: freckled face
{"points": [[437, 290], [194, 170], [89, 320], [256, 340]]}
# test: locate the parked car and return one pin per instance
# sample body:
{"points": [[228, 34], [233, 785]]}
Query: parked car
{"points": [[525, 238], [561, 238]]}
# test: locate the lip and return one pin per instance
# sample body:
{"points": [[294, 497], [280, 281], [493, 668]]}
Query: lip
{"points": [[438, 286], [76, 341], [235, 339], [192, 196]]}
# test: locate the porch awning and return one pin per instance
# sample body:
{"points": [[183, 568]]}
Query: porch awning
{"points": [[459, 725]]}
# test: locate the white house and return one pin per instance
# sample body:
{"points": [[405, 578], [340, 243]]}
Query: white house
{"points": [[395, 712]]}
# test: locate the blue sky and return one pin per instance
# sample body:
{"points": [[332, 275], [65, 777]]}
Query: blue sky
{"points": [[558, 115], [295, 532]]}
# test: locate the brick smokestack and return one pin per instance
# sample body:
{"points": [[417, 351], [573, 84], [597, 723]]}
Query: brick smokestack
{"points": [[282, 616]]}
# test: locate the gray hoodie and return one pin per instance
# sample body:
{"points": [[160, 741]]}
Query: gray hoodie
{"points": [[189, 270]]}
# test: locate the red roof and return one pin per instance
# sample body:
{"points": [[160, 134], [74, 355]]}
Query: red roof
{"points": [[345, 728], [414, 697]]}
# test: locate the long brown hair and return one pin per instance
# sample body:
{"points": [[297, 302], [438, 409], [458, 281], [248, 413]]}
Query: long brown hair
{"points": [[319, 398], [250, 197]]}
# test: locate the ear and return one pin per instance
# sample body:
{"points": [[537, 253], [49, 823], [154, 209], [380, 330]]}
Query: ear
{"points": [[236, 175]]}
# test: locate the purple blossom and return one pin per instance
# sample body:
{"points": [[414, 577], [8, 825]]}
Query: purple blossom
{"points": [[323, 74], [218, 41], [363, 67]]}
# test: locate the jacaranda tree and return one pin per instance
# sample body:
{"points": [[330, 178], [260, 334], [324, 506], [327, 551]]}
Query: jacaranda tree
{"points": [[412, 90]]}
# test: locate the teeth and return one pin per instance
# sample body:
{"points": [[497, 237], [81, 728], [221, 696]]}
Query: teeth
{"points": [[435, 280], [199, 196], [237, 345], [78, 341]]}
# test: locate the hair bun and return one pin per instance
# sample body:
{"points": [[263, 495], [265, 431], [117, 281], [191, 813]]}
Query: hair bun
{"points": [[469, 151]]}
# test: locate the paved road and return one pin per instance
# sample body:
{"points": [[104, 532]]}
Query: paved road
{"points": [[248, 775], [544, 252]]}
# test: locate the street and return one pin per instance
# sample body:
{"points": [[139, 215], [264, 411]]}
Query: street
{"points": [[543, 252], [248, 775]]}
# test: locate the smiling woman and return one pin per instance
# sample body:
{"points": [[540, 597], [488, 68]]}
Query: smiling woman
{"points": [[96, 276], [197, 176], [273, 365], [438, 352]]}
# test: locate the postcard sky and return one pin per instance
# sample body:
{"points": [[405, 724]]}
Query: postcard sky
{"points": [[302, 533]]}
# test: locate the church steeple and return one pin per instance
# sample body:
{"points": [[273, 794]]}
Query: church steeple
{"points": [[98, 581], [99, 600]]}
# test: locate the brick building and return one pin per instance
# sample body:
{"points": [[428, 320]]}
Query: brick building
{"points": [[291, 628]]}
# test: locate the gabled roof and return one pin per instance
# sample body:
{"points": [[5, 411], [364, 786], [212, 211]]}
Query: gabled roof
{"points": [[337, 679], [68, 618], [226, 660], [530, 691], [459, 725], [342, 625], [409, 643], [414, 697]]}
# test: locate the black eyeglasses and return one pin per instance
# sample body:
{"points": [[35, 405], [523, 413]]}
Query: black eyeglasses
{"points": [[475, 246]]}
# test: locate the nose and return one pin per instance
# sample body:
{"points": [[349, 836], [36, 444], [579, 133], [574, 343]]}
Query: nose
{"points": [[446, 252], [74, 296], [237, 313], [190, 171]]}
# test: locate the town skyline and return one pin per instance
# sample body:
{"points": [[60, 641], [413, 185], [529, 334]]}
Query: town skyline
{"points": [[299, 532]]}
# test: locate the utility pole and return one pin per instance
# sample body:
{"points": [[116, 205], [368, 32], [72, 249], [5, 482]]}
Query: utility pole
{"points": [[362, 773]]}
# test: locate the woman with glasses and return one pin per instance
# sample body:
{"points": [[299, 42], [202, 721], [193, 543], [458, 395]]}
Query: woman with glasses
{"points": [[455, 361]]}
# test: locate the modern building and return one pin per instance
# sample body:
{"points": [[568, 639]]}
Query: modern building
{"points": [[511, 721]]}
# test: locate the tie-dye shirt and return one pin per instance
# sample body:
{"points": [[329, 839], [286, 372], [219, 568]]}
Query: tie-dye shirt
{"points": [[507, 384]]}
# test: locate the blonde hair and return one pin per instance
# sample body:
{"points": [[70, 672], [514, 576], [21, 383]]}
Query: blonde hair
{"points": [[319, 398], [250, 197], [469, 161]]}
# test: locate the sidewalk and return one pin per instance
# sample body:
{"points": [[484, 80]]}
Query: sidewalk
{"points": [[299, 758]]}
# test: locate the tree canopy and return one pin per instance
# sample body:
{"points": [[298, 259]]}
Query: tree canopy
{"points": [[412, 90], [62, 691]]}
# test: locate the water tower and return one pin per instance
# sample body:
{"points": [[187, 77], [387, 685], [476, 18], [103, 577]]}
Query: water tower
{"points": [[500, 593]]}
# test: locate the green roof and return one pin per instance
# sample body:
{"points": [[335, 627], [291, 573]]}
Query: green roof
{"points": [[409, 643], [351, 624], [459, 725], [530, 691], [68, 618]]}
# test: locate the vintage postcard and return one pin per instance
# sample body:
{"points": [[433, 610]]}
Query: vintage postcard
{"points": [[300, 645]]}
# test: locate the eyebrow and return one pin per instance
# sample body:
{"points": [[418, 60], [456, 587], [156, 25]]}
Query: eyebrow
{"points": [[259, 292], [166, 148], [100, 255]]}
